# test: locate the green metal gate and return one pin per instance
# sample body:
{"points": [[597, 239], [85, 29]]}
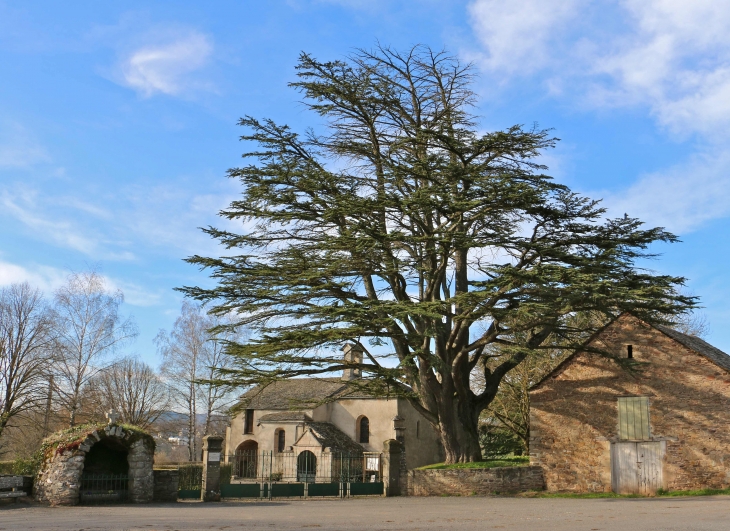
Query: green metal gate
{"points": [[301, 474], [190, 483], [104, 488]]}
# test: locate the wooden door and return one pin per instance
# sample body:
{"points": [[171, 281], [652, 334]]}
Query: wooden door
{"points": [[636, 467], [650, 456]]}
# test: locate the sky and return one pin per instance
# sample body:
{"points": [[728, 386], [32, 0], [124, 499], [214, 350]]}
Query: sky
{"points": [[118, 121]]}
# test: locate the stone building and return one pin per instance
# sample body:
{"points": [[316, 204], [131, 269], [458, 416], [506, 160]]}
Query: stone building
{"points": [[596, 426], [322, 416]]}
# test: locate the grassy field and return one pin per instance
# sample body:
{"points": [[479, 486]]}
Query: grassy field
{"points": [[489, 463]]}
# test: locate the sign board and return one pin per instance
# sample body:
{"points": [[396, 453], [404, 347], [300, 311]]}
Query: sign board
{"points": [[214, 457]]}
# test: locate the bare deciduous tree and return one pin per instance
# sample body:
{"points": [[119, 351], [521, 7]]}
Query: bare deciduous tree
{"points": [[25, 337], [131, 388], [191, 355], [89, 328]]}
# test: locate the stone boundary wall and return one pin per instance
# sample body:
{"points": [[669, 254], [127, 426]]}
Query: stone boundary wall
{"points": [[166, 485], [474, 481]]}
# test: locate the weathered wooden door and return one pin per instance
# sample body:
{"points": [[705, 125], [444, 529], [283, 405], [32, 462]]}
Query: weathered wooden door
{"points": [[637, 467]]}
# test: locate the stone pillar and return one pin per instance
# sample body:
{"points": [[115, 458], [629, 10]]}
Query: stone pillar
{"points": [[212, 446], [141, 477], [391, 467]]}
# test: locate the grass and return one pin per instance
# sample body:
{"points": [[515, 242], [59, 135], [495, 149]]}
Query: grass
{"points": [[699, 492], [489, 463], [660, 494]]}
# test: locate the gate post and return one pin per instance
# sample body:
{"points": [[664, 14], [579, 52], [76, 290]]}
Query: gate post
{"points": [[211, 488], [391, 468]]}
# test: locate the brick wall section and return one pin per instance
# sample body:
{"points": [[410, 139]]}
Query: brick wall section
{"points": [[574, 416], [166, 485], [474, 481]]}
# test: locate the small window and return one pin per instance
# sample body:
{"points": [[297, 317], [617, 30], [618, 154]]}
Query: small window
{"points": [[364, 429], [248, 422], [629, 351], [280, 441], [633, 418], [418, 426]]}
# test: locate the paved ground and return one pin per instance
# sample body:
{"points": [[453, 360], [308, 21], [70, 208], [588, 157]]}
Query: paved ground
{"points": [[515, 514]]}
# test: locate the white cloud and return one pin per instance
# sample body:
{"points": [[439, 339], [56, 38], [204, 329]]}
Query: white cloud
{"points": [[680, 198], [46, 278], [166, 68], [672, 56], [675, 57], [517, 35]]}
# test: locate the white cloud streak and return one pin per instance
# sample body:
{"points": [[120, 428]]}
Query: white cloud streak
{"points": [[167, 68]]}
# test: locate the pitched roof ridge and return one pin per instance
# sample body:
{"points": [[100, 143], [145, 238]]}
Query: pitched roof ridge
{"points": [[695, 344]]}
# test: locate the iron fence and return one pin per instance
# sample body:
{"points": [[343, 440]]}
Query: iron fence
{"points": [[251, 474], [104, 488], [303, 467]]}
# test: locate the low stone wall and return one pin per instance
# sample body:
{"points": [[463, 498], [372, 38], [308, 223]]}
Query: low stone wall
{"points": [[474, 481], [166, 485]]}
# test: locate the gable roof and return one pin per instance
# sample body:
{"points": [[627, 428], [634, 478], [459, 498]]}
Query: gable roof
{"points": [[329, 436], [292, 394], [714, 354], [695, 344]]}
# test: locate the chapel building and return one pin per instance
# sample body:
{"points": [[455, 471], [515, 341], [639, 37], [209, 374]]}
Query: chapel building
{"points": [[320, 417]]}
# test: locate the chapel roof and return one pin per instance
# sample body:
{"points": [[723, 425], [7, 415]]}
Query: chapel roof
{"points": [[295, 393], [329, 436]]}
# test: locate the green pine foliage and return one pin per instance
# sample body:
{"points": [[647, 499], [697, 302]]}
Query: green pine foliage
{"points": [[404, 226]]}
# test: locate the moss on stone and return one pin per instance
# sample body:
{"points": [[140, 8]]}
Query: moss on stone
{"points": [[73, 438]]}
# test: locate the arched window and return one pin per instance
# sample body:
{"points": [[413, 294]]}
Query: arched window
{"points": [[280, 440], [364, 430]]}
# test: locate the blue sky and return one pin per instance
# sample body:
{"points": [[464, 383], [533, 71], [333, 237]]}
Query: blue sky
{"points": [[117, 120]]}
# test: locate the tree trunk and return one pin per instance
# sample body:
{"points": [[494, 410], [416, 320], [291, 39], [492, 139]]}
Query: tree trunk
{"points": [[459, 436]]}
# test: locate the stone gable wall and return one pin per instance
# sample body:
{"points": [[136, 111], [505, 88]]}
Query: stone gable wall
{"points": [[474, 481], [574, 416]]}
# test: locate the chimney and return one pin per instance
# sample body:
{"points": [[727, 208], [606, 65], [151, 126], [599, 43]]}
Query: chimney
{"points": [[353, 355]]}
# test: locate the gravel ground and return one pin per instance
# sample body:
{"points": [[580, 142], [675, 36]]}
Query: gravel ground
{"points": [[515, 514]]}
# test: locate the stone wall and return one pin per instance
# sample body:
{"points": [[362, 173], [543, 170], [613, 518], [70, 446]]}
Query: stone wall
{"points": [[474, 481], [574, 416], [166, 485], [59, 479]]}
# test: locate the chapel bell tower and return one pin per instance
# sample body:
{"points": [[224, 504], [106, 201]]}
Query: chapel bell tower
{"points": [[353, 355]]}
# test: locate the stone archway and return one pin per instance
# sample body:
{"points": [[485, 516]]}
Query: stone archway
{"points": [[111, 449]]}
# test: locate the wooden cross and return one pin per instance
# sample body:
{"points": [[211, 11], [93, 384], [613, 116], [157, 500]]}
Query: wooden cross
{"points": [[112, 416]]}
